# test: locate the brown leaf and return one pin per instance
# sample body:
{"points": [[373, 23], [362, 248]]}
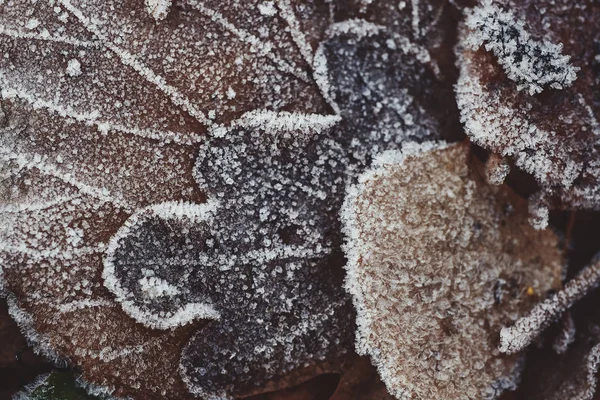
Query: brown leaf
{"points": [[121, 119], [536, 100]]}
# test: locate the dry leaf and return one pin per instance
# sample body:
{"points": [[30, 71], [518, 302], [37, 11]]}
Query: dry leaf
{"points": [[528, 90], [438, 262], [120, 118]]}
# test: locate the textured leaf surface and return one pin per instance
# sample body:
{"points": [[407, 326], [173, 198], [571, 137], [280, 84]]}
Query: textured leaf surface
{"points": [[552, 135], [119, 120], [438, 262]]}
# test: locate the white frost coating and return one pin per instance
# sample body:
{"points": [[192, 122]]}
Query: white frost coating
{"points": [[420, 269], [363, 29], [593, 364], [274, 122], [288, 14], [358, 27], [267, 8], [320, 75], [153, 287], [130, 60], [158, 9], [29, 161], [539, 214], [46, 36], [110, 96], [493, 125], [415, 17], [521, 334], [420, 52], [530, 63], [93, 390], [409, 149], [496, 169], [93, 117], [73, 67], [32, 24], [352, 232], [257, 45]]}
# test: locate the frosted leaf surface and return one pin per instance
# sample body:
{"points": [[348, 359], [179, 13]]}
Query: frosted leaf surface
{"points": [[424, 22], [102, 110], [530, 63], [551, 135], [190, 60], [380, 98], [159, 9], [438, 262], [156, 295], [279, 192], [496, 169], [111, 119], [527, 328]]}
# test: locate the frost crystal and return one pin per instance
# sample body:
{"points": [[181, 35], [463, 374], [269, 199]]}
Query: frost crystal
{"points": [[530, 63], [107, 243], [159, 9], [496, 169], [74, 67], [517, 337], [438, 261], [552, 135]]}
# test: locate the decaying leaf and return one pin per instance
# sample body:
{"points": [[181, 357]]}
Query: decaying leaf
{"points": [[438, 262], [550, 129], [120, 118]]}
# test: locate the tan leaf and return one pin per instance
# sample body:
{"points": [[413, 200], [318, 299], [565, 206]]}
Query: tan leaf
{"points": [[438, 262]]}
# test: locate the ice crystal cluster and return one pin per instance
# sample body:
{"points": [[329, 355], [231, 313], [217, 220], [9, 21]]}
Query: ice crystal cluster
{"points": [[442, 260], [172, 174], [506, 45], [530, 63]]}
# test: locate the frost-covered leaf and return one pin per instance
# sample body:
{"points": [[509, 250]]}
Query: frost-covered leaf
{"points": [[425, 23], [112, 259], [103, 107], [530, 63], [551, 135], [438, 262], [527, 328], [385, 84], [279, 192]]}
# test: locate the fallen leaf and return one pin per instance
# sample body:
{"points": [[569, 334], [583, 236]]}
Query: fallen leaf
{"points": [[550, 128], [438, 262]]}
